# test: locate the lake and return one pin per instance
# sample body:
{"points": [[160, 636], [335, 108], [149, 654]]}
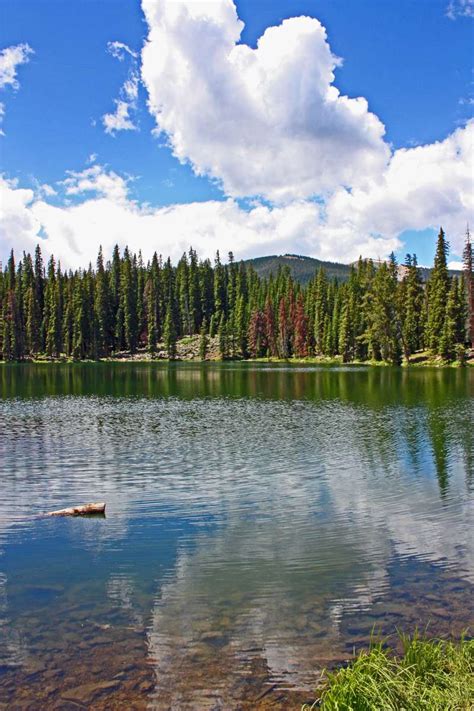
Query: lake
{"points": [[262, 522]]}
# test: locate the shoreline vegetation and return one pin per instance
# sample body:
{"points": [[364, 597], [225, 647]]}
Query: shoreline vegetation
{"points": [[188, 352], [429, 674], [383, 313]]}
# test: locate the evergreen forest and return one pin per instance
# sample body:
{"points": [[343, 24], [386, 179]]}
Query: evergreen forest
{"points": [[383, 312]]}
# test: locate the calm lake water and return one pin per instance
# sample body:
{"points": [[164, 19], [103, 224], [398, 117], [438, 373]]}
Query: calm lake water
{"points": [[261, 521]]}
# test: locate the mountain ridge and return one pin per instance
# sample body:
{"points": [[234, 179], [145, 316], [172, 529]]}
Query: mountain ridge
{"points": [[303, 267]]}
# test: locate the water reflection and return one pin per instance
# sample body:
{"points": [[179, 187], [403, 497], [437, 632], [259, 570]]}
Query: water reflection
{"points": [[260, 521]]}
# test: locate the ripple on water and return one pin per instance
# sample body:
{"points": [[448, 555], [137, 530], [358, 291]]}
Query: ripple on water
{"points": [[245, 536]]}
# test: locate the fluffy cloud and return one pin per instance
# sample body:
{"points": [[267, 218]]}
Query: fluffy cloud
{"points": [[266, 121], [270, 122], [422, 187], [460, 8], [96, 180], [103, 213], [125, 106], [19, 228], [10, 59]]}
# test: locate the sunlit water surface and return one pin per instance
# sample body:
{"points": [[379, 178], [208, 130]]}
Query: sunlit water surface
{"points": [[261, 522]]}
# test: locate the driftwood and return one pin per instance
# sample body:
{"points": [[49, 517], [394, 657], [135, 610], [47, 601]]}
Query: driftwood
{"points": [[86, 510]]}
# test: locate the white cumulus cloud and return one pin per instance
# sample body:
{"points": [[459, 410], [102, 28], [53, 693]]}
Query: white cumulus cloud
{"points": [[10, 59], [267, 121], [101, 212], [19, 228], [422, 187], [426, 186], [122, 119], [96, 180], [460, 8]]}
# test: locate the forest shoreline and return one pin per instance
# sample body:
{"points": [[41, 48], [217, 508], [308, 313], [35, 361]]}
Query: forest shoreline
{"points": [[422, 359]]}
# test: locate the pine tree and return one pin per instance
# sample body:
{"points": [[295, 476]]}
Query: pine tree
{"points": [[68, 319], [102, 308], [32, 322], [219, 288], [51, 325], [128, 301], [194, 293], [283, 330], [122, 305], [256, 334], [241, 326], [79, 318], [150, 298], [438, 289], [468, 259], [170, 333], [447, 342], [345, 335], [411, 307], [223, 337], [384, 324], [320, 311], [460, 310], [270, 328], [300, 348], [116, 317]]}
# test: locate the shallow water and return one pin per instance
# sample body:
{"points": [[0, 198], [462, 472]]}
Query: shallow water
{"points": [[261, 522]]}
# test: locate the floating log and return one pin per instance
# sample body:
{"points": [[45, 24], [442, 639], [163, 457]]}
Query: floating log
{"points": [[86, 510]]}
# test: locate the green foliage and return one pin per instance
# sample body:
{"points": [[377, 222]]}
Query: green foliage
{"points": [[431, 675], [438, 288], [411, 301], [170, 333], [379, 312]]}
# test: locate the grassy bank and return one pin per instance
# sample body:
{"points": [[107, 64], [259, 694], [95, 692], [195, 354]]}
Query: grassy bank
{"points": [[431, 675]]}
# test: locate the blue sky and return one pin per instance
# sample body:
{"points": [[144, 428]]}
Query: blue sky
{"points": [[411, 60]]}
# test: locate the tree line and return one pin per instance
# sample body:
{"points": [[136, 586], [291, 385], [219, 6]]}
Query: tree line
{"points": [[382, 312]]}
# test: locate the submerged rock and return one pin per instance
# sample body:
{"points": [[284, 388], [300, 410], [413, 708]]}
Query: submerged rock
{"points": [[86, 693]]}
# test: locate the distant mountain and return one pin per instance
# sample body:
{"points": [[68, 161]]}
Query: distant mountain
{"points": [[303, 268]]}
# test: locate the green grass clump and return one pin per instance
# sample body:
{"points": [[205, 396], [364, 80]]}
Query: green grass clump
{"points": [[430, 675]]}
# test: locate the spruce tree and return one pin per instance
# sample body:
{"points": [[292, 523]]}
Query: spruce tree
{"points": [[468, 260], [128, 301], [438, 289], [102, 308], [79, 321], [151, 310], [223, 337], [447, 342], [169, 333], [51, 325], [219, 288], [270, 328], [283, 330], [345, 335], [256, 334], [241, 326], [300, 347], [411, 307]]}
